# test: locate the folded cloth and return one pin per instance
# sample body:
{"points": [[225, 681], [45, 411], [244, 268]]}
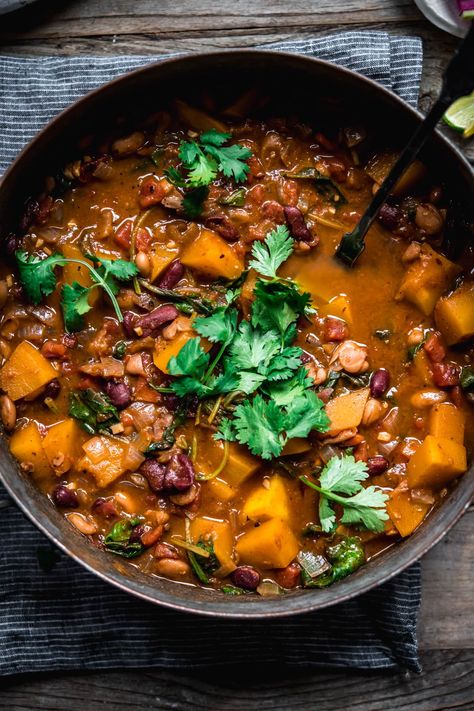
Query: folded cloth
{"points": [[53, 613]]}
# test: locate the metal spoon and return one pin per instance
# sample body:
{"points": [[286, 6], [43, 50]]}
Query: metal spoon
{"points": [[458, 80]]}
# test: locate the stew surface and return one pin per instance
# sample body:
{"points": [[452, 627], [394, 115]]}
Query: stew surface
{"points": [[201, 387]]}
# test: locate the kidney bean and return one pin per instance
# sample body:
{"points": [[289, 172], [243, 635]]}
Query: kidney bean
{"points": [[128, 323], [105, 507], [246, 577], [152, 322], [377, 465], [137, 533], [64, 497], [434, 347], [379, 382], [273, 211], [171, 401], [224, 226], [391, 216], [334, 329], [69, 340], [119, 392], [446, 375], [179, 473], [12, 244], [154, 473], [297, 225], [171, 275], [29, 214], [288, 577], [52, 389]]}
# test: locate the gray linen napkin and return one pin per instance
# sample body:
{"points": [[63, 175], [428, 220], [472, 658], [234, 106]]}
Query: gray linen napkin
{"points": [[54, 614]]}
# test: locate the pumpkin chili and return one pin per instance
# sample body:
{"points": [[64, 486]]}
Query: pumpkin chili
{"points": [[200, 387]]}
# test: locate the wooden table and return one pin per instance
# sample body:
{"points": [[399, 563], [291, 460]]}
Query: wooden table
{"points": [[446, 626]]}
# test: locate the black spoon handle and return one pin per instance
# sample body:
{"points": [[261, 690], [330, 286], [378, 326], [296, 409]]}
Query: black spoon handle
{"points": [[458, 80]]}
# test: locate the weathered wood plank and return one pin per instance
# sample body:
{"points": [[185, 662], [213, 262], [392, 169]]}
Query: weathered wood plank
{"points": [[446, 683]]}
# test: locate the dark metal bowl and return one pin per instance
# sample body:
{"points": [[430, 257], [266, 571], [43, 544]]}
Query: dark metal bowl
{"points": [[297, 85]]}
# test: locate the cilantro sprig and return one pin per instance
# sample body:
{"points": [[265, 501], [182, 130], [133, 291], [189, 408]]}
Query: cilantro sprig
{"points": [[39, 280], [202, 160], [256, 358], [340, 482]]}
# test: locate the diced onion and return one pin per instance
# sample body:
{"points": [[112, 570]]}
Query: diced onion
{"points": [[132, 458], [268, 588], [328, 452], [313, 565], [143, 414], [96, 449]]}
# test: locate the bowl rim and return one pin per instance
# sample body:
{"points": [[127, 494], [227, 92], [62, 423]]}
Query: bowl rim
{"points": [[402, 555]]}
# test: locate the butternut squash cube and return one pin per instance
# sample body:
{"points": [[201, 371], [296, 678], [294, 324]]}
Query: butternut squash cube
{"points": [[103, 459], [270, 545], [405, 513], [268, 502], [164, 350], [436, 462], [454, 314], [422, 368], [298, 445], [346, 411], [160, 256], [427, 278], [240, 465], [220, 490], [64, 438], [25, 371], [447, 421], [26, 445], [210, 254], [340, 307], [220, 533]]}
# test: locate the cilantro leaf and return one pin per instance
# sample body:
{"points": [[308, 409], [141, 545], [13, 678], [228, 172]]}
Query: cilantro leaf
{"points": [[226, 431], [259, 424], [203, 171], [231, 160], [363, 506], [277, 305], [249, 382], [37, 275], [113, 271], [283, 393], [193, 201], [305, 413], [284, 363], [214, 137], [270, 255], [219, 327], [191, 360], [74, 304], [252, 348]]}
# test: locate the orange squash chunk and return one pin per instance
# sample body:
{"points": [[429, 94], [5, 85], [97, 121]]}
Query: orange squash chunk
{"points": [[270, 545], [454, 314], [447, 421], [210, 254], [346, 411], [435, 463], [220, 533], [240, 465], [267, 502], [25, 371], [103, 459], [405, 514], [427, 278], [26, 445], [64, 438]]}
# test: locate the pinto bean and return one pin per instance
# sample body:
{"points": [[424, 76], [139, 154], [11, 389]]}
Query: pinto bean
{"points": [[224, 226], [186, 497], [379, 382], [151, 323], [272, 210], [163, 550], [172, 568], [7, 412], [171, 275], [119, 392], [246, 577], [297, 225], [64, 497], [53, 350], [85, 526], [373, 411]]}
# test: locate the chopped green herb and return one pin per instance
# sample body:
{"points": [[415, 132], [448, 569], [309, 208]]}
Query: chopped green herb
{"points": [[119, 350], [235, 199], [118, 539], [467, 378], [94, 410], [326, 187], [232, 590], [345, 557], [269, 255], [361, 506]]}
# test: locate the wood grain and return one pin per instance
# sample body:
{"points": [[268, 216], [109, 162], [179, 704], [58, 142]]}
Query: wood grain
{"points": [[446, 683]]}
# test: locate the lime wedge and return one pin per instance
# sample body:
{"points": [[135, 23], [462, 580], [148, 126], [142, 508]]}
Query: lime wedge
{"points": [[460, 115]]}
